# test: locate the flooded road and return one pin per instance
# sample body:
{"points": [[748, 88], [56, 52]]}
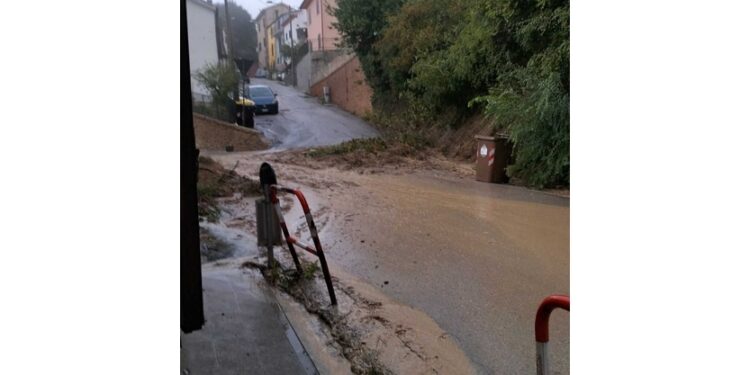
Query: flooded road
{"points": [[367, 332], [303, 122], [477, 258]]}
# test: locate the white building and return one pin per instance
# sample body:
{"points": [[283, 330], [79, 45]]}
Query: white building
{"points": [[294, 32], [201, 25], [295, 29]]}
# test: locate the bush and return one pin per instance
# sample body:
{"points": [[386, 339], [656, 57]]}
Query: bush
{"points": [[436, 58], [221, 80], [538, 122], [532, 101]]}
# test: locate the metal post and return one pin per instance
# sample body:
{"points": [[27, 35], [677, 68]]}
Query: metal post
{"points": [[542, 362], [285, 231], [316, 241], [541, 329], [267, 180], [294, 32], [230, 45]]}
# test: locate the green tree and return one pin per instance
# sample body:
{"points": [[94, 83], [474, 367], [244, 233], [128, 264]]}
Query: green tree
{"points": [[361, 23], [244, 36], [532, 101], [444, 57], [419, 29]]}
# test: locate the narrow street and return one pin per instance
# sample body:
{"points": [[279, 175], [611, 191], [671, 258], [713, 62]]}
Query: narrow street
{"points": [[477, 258], [303, 122]]}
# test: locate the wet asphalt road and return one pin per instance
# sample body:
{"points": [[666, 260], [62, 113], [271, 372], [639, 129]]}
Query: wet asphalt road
{"points": [[303, 122], [477, 258]]}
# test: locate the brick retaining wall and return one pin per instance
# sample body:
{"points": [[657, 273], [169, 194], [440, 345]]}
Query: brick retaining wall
{"points": [[348, 88]]}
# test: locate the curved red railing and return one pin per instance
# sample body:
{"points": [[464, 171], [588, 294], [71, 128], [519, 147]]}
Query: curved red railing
{"points": [[541, 325], [541, 328], [291, 241]]}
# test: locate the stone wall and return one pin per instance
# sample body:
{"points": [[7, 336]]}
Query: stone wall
{"points": [[348, 88], [215, 135]]}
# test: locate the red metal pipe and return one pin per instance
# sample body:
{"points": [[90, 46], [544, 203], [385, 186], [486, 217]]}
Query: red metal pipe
{"points": [[298, 194], [284, 230], [302, 201], [302, 246], [541, 325], [314, 235]]}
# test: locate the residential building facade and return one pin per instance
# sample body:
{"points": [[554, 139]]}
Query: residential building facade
{"points": [[328, 66], [320, 31], [263, 22], [295, 28], [202, 42], [277, 33]]}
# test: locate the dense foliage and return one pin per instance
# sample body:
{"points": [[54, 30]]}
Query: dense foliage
{"points": [[446, 59], [361, 22]]}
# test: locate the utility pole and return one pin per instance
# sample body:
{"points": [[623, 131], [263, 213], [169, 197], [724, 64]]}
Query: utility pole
{"points": [[230, 47], [294, 33]]}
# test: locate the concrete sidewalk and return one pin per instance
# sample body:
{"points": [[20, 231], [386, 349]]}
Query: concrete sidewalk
{"points": [[245, 332]]}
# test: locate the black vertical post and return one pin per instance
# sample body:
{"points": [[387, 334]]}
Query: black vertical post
{"points": [[267, 179], [323, 263], [191, 286]]}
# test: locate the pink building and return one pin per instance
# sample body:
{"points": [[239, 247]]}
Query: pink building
{"points": [[320, 31]]}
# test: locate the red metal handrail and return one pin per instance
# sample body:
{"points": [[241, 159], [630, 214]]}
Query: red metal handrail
{"points": [[541, 325], [291, 241], [541, 328]]}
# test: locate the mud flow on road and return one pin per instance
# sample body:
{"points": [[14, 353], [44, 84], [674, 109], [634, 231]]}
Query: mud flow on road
{"points": [[366, 332], [475, 258]]}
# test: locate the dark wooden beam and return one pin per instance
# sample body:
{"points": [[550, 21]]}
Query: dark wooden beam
{"points": [[191, 285]]}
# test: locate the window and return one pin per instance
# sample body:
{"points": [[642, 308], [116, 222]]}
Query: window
{"points": [[260, 92], [317, 6], [320, 43]]}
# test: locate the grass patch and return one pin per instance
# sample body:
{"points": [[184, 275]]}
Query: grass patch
{"points": [[369, 145], [309, 270]]}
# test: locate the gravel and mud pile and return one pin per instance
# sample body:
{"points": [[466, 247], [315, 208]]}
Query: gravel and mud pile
{"points": [[374, 333]]}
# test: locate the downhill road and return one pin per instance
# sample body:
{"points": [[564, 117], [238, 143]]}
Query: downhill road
{"points": [[303, 122], [477, 258]]}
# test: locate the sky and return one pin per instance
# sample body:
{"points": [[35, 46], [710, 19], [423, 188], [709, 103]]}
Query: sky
{"points": [[254, 6]]}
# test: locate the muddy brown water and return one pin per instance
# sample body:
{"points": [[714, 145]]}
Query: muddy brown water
{"points": [[477, 258]]}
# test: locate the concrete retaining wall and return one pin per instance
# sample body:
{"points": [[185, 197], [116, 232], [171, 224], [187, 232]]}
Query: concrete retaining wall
{"points": [[303, 73], [214, 135]]}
